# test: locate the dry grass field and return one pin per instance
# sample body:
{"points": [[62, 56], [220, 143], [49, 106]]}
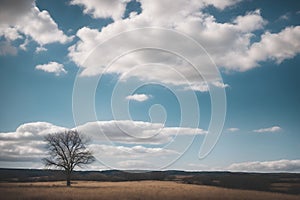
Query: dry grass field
{"points": [[128, 190]]}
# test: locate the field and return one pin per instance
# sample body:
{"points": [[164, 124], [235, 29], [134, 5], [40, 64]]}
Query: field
{"points": [[128, 190]]}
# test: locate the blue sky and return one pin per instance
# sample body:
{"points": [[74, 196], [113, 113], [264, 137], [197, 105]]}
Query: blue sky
{"points": [[49, 50]]}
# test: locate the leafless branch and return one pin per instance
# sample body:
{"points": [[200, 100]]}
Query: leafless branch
{"points": [[66, 151]]}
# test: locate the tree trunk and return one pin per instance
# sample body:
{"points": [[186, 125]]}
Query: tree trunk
{"points": [[68, 179]]}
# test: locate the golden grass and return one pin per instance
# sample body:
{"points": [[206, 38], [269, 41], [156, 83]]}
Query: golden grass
{"points": [[128, 190]]}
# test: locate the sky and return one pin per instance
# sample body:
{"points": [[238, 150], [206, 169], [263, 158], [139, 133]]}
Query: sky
{"points": [[197, 85]]}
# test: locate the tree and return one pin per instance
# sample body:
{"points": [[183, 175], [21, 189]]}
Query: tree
{"points": [[67, 150]]}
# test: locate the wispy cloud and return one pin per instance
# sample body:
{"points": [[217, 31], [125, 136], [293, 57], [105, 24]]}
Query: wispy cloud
{"points": [[270, 129], [204, 87], [135, 132], [6, 48], [136, 164], [284, 17], [120, 151], [267, 166], [233, 129], [40, 49]]}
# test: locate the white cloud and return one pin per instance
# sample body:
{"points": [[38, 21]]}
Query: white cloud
{"points": [[24, 45], [267, 166], [116, 8], [232, 51], [272, 46], [135, 132], [277, 46], [21, 151], [27, 142], [271, 129], [201, 87], [250, 22], [40, 49], [41, 27], [204, 87], [52, 67], [233, 129], [219, 84], [31, 131], [22, 17], [125, 152], [9, 33], [138, 97], [103, 9]]}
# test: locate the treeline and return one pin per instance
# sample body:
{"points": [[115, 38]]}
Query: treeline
{"points": [[36, 175], [274, 182]]}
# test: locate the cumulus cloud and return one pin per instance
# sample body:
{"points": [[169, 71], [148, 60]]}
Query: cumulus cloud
{"points": [[103, 9], [138, 97], [26, 143], [9, 33], [270, 129], [233, 51], [23, 17], [31, 131], [267, 166], [277, 46], [250, 22], [272, 46], [52, 67], [41, 27], [21, 151]]}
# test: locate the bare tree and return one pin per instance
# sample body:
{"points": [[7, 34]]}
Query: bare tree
{"points": [[66, 151]]}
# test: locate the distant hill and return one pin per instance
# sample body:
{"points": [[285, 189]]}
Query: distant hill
{"points": [[274, 182]]}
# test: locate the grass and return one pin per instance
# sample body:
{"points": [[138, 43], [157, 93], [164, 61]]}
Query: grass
{"points": [[128, 190]]}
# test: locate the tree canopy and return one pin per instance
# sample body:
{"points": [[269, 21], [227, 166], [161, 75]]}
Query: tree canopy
{"points": [[67, 150]]}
